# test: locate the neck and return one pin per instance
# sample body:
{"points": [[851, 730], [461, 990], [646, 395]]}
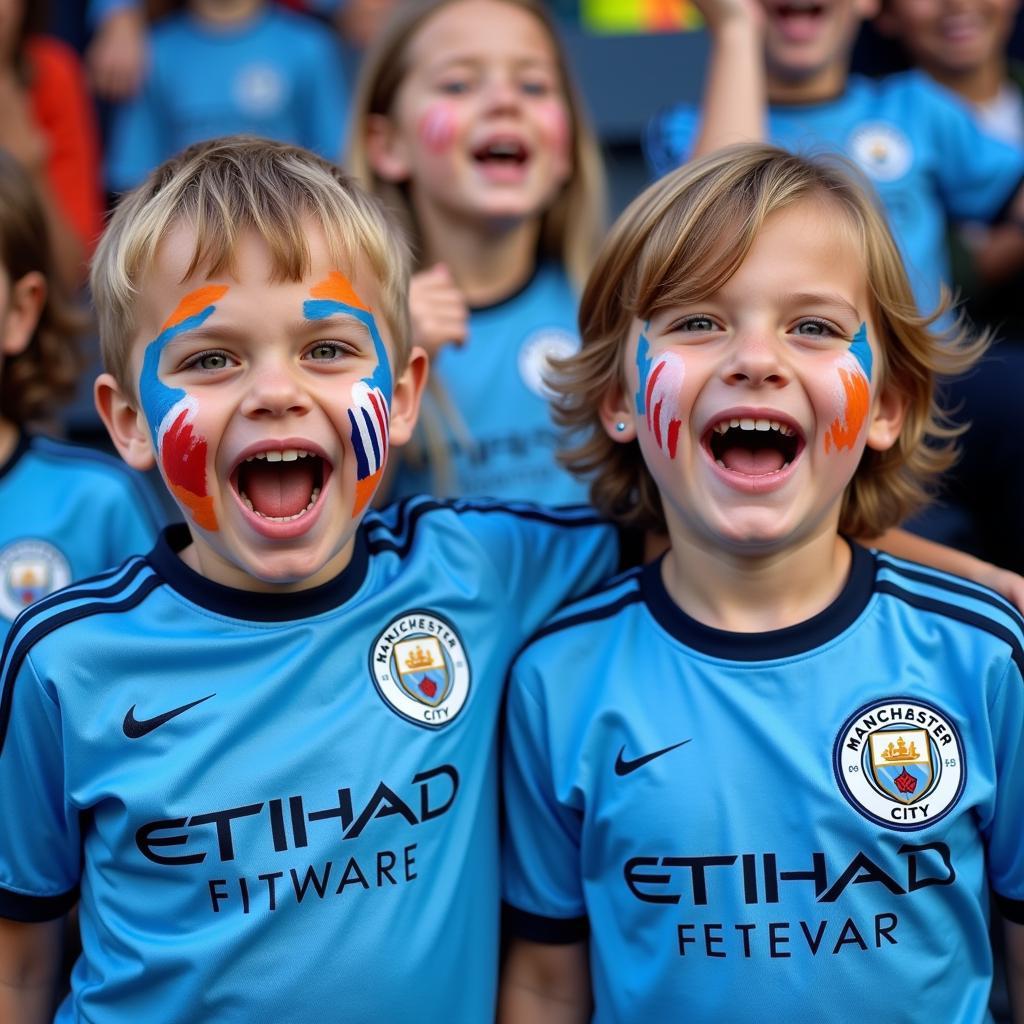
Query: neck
{"points": [[977, 85], [816, 88], [756, 593], [489, 262], [225, 12]]}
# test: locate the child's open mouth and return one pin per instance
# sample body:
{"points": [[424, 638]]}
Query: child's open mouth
{"points": [[502, 159], [753, 447], [281, 485], [798, 21]]}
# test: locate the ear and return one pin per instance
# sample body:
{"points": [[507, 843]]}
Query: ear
{"points": [[617, 412], [386, 151], [25, 306], [405, 400], [887, 416], [125, 423]]}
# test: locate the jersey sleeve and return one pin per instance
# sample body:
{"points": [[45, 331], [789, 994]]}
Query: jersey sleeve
{"points": [[545, 556], [1005, 835], [670, 137], [541, 887], [977, 174], [39, 841]]}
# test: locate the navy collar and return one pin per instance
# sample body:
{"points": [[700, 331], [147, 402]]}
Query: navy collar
{"points": [[254, 604], [779, 643]]}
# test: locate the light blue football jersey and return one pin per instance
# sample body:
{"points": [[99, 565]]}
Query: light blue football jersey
{"points": [[797, 826], [66, 512], [502, 440], [280, 807], [917, 143]]}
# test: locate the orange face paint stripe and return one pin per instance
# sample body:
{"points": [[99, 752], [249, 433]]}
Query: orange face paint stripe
{"points": [[338, 287], [194, 303], [201, 506], [858, 401]]}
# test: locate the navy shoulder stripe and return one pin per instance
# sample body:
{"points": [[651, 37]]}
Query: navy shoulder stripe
{"points": [[594, 609], [31, 626], [959, 614], [954, 585]]}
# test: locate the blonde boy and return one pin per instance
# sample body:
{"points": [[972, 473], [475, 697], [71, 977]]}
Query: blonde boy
{"points": [[262, 757], [778, 785]]}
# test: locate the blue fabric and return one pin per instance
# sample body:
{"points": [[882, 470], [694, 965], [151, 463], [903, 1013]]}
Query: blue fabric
{"points": [[66, 512], [722, 811], [916, 142], [278, 75], [301, 840], [505, 445]]}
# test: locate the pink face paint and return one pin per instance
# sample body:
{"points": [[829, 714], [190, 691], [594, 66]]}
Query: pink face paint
{"points": [[437, 127], [554, 122], [661, 400]]}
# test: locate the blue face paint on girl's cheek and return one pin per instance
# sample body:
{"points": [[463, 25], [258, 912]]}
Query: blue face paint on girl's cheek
{"points": [[643, 367], [860, 349]]}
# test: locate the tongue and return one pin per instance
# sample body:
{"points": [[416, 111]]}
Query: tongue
{"points": [[278, 489], [753, 462]]}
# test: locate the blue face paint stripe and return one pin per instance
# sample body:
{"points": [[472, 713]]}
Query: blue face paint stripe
{"points": [[156, 397], [861, 350], [321, 309], [362, 465], [643, 365], [371, 429]]}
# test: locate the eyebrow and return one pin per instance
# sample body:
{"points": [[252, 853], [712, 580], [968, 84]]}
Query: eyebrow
{"points": [[304, 325], [473, 61], [829, 299]]}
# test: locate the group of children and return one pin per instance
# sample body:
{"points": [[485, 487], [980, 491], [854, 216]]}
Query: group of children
{"points": [[771, 771]]}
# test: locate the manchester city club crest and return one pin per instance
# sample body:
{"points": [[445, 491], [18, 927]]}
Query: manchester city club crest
{"points": [[881, 149], [536, 353], [30, 569], [420, 668], [900, 763]]}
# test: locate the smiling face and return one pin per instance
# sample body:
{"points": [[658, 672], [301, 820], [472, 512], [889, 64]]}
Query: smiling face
{"points": [[753, 406], [268, 405], [480, 126], [808, 43]]}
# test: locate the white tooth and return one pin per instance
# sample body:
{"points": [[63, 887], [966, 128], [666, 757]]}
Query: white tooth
{"points": [[719, 462], [289, 455], [248, 503], [762, 425], [734, 423], [788, 431], [260, 455], [746, 424], [250, 458], [272, 456], [302, 454], [315, 494], [721, 428], [776, 425]]}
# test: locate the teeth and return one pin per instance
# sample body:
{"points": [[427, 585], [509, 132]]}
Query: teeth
{"points": [[762, 425], [723, 426], [289, 455], [746, 424]]}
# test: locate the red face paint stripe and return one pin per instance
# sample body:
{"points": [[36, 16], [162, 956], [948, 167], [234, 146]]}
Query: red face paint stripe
{"points": [[657, 423], [184, 455], [655, 374], [338, 287], [195, 302], [375, 402], [673, 437]]}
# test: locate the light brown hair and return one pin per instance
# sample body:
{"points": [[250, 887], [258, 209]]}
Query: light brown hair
{"points": [[44, 375], [570, 228], [224, 188], [678, 243]]}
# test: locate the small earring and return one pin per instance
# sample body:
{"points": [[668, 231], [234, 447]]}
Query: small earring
{"points": [[620, 426]]}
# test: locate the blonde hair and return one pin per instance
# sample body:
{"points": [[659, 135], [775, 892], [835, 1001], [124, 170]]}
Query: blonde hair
{"points": [[679, 242], [571, 227], [223, 188], [44, 375]]}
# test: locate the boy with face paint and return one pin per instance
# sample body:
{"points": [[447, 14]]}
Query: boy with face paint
{"points": [[264, 754], [789, 775]]}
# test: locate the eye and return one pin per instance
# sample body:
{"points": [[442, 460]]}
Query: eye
{"points": [[211, 361], [697, 323], [815, 328], [536, 87], [453, 86], [323, 351]]}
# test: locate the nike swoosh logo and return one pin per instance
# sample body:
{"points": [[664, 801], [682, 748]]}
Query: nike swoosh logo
{"points": [[624, 767], [135, 728]]}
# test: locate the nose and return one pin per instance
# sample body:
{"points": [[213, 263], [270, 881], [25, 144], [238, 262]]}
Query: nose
{"points": [[502, 93], [275, 391], [755, 359]]}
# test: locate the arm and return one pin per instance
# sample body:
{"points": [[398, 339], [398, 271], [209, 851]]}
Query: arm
{"points": [[29, 966], [545, 984], [733, 106], [118, 53], [1015, 969], [938, 556]]}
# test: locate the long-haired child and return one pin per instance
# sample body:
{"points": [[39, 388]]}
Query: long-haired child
{"points": [[467, 124], [65, 511]]}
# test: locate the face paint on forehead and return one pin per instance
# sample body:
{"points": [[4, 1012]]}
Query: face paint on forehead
{"points": [[657, 397], [371, 396], [170, 411], [436, 127], [854, 394]]}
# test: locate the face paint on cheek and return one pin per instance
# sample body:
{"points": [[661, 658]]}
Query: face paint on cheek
{"points": [[854, 393], [370, 413], [660, 382], [170, 412], [554, 121], [436, 128]]}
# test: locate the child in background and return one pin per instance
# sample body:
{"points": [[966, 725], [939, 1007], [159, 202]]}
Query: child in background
{"points": [[219, 69], [774, 770], [466, 123], [65, 511], [265, 753]]}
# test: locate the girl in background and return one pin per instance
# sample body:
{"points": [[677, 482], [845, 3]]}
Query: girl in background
{"points": [[467, 125]]}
